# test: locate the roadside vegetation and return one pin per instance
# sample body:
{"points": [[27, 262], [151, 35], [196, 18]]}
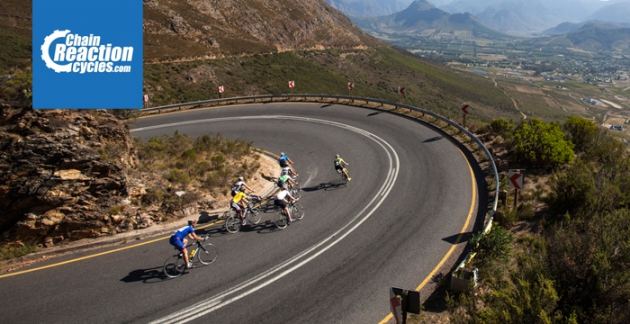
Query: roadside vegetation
{"points": [[562, 255], [207, 164], [12, 251]]}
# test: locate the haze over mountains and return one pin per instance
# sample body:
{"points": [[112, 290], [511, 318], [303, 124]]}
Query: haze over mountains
{"points": [[423, 19], [369, 8], [516, 17]]}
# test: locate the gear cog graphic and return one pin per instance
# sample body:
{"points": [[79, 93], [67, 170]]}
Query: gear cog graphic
{"points": [[46, 51]]}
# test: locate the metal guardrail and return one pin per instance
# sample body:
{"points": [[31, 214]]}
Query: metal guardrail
{"points": [[353, 100]]}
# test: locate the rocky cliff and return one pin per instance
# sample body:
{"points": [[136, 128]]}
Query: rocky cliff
{"points": [[60, 173]]}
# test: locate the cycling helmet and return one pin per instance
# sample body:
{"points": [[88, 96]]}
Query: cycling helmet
{"points": [[336, 156], [192, 221], [282, 154], [240, 178]]}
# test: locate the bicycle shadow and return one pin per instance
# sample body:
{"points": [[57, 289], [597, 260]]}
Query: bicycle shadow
{"points": [[151, 275], [267, 225], [327, 186], [268, 177]]}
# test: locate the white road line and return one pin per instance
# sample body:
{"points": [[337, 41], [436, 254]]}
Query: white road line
{"points": [[274, 274]]}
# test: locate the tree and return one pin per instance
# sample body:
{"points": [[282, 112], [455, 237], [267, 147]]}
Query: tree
{"points": [[541, 144], [581, 132]]}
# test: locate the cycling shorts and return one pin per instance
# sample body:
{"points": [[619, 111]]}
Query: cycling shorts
{"points": [[280, 203], [339, 167], [236, 206], [177, 242]]}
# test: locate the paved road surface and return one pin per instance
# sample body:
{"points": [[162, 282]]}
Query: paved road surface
{"points": [[412, 192]]}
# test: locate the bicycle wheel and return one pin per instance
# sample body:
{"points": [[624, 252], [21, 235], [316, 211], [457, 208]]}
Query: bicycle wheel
{"points": [[282, 220], [253, 216], [174, 266], [233, 224], [295, 191], [227, 214], [207, 253], [297, 212]]}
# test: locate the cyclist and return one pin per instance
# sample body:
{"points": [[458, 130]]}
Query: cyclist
{"points": [[284, 160], [280, 200], [178, 239], [285, 181], [238, 185], [288, 171], [238, 203], [339, 166]]}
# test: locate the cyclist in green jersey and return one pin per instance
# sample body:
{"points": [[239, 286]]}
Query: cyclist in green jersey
{"points": [[339, 166], [285, 181]]}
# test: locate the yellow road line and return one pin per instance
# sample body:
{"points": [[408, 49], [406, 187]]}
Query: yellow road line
{"points": [[92, 255], [450, 251]]}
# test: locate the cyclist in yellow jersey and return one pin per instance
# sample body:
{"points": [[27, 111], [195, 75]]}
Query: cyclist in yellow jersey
{"points": [[339, 166], [238, 203]]}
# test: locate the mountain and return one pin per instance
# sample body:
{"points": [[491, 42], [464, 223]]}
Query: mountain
{"points": [[209, 28], [369, 8], [565, 28], [421, 18], [618, 12], [473, 7], [600, 37], [530, 16], [523, 17]]}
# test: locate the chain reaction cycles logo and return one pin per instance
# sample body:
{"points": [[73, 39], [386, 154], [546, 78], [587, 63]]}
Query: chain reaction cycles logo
{"points": [[84, 54]]}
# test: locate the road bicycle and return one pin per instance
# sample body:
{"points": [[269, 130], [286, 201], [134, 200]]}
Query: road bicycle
{"points": [[343, 176], [203, 253], [295, 190], [297, 213], [251, 213]]}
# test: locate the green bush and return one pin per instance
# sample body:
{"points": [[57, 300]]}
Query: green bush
{"points": [[571, 191], [8, 252], [116, 209], [501, 126], [178, 176], [539, 144], [581, 132], [589, 258], [496, 245]]}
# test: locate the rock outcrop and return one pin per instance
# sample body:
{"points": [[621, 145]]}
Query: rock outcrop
{"points": [[61, 171]]}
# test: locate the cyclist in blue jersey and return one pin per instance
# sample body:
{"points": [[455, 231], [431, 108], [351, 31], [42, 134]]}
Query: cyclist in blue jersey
{"points": [[178, 239], [284, 160]]}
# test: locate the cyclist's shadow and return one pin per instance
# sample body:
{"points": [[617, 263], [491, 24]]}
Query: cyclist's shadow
{"points": [[151, 275], [335, 184]]}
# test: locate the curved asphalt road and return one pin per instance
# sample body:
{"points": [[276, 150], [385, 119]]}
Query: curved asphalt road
{"points": [[411, 195]]}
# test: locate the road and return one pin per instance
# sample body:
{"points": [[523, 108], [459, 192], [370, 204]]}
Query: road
{"points": [[411, 196]]}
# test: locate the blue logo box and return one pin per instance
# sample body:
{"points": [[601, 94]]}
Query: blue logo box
{"points": [[87, 54]]}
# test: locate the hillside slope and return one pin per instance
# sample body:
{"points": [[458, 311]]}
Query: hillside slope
{"points": [[210, 29]]}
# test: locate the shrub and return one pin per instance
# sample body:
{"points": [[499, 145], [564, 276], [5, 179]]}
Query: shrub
{"points": [[572, 190], [496, 245], [13, 251], [116, 209], [581, 132], [540, 144], [178, 176], [501, 125]]}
